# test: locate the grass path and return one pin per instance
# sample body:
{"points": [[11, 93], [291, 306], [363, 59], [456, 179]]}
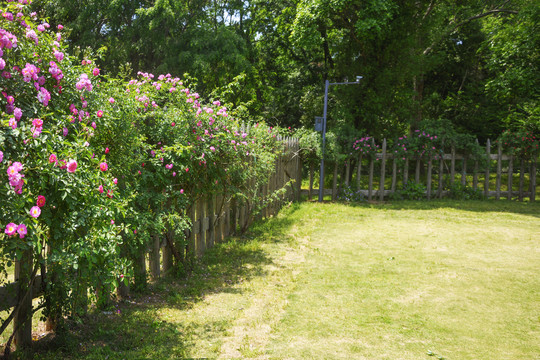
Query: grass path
{"points": [[413, 280]]}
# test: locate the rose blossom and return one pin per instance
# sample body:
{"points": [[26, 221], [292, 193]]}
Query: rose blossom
{"points": [[71, 166], [22, 230], [35, 211], [40, 201], [11, 229]]}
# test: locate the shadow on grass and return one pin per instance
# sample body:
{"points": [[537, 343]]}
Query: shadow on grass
{"points": [[484, 206], [134, 329]]}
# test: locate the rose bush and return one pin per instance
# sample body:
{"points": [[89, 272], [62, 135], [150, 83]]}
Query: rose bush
{"points": [[50, 162], [93, 167]]}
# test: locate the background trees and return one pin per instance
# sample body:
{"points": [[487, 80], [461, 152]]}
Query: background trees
{"points": [[474, 63]]}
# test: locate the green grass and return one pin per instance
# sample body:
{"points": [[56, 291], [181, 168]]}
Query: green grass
{"points": [[396, 281], [455, 280]]}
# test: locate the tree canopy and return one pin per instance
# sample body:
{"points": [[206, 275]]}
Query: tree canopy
{"points": [[473, 63]]}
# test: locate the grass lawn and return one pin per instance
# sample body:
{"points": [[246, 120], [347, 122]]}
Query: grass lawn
{"points": [[408, 280]]}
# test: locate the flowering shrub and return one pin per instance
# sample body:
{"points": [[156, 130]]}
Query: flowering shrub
{"points": [[419, 145], [94, 167], [521, 143], [366, 147], [49, 160]]}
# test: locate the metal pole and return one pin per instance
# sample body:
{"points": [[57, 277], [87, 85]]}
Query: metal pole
{"points": [[321, 180]]}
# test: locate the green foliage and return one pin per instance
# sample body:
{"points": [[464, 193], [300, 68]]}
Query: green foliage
{"points": [[310, 144], [94, 167], [470, 63], [349, 194], [448, 137], [410, 191], [522, 143], [418, 145], [458, 191]]}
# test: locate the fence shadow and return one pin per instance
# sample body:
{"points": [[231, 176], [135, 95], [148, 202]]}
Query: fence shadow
{"points": [[496, 206], [134, 328]]}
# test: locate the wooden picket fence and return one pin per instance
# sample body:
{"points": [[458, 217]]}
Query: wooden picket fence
{"points": [[218, 216], [213, 218], [438, 173]]}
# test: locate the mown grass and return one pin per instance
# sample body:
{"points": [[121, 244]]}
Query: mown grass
{"points": [[403, 280], [399, 281]]}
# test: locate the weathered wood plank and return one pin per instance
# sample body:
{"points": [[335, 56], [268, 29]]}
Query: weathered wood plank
{"points": [[201, 237], [406, 172], [533, 179], [464, 171], [23, 317], [154, 260], [521, 179], [370, 185], [452, 165], [486, 179], [510, 177], [394, 175], [499, 171], [383, 171], [334, 182], [429, 171], [359, 171], [417, 171], [441, 178]]}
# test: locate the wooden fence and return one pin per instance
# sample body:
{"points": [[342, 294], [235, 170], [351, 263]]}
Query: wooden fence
{"points": [[213, 218], [436, 174]]}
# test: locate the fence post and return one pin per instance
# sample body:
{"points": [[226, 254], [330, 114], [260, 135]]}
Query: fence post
{"points": [[370, 185], [80, 293], [359, 171], [510, 177], [166, 252], [499, 171], [464, 171], [441, 176], [190, 253], [140, 270], [334, 182], [234, 215], [23, 318], [453, 165], [383, 171], [154, 258], [201, 242], [475, 171], [211, 238], [486, 179], [394, 174], [521, 178], [347, 172], [227, 219], [532, 179], [406, 172], [417, 172], [429, 170]]}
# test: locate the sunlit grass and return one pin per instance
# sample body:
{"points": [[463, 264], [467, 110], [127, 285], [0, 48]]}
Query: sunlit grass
{"points": [[456, 279]]}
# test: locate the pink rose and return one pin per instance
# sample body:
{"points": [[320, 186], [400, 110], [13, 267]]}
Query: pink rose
{"points": [[35, 211], [71, 166]]}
